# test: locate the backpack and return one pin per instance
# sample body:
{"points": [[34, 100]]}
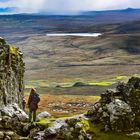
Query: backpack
{"points": [[36, 98]]}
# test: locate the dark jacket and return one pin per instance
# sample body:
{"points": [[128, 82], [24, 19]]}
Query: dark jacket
{"points": [[33, 101]]}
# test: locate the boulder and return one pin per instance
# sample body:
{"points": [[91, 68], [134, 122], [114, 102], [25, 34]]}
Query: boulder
{"points": [[13, 110], [121, 116], [44, 114]]}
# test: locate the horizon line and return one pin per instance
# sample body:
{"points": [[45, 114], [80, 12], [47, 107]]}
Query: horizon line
{"points": [[64, 13]]}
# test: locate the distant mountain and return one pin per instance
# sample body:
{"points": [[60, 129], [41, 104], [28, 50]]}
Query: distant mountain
{"points": [[107, 16], [92, 13], [114, 21], [123, 11], [114, 16]]}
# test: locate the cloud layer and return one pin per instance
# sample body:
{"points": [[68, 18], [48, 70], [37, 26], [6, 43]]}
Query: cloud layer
{"points": [[34, 6]]}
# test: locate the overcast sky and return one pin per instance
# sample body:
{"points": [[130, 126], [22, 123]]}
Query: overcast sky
{"points": [[63, 6]]}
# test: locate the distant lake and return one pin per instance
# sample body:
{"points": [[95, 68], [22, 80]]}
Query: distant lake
{"points": [[75, 34]]}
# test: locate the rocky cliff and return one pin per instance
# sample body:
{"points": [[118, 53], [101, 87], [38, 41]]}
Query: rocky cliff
{"points": [[11, 75]]}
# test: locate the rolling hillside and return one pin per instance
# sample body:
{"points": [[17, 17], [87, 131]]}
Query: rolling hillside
{"points": [[61, 58], [116, 52]]}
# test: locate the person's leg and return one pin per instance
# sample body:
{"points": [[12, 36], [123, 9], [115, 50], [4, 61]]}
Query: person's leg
{"points": [[34, 115], [30, 115]]}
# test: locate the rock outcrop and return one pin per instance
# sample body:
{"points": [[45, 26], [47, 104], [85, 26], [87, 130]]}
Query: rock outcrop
{"points": [[119, 109], [11, 75], [11, 92]]}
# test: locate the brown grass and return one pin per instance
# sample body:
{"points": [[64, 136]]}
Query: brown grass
{"points": [[51, 103]]}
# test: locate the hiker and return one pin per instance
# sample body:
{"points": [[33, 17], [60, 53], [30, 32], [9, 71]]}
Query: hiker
{"points": [[24, 104], [33, 101]]}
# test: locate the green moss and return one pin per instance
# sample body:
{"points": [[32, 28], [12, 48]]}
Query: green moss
{"points": [[89, 127], [14, 50], [46, 122]]}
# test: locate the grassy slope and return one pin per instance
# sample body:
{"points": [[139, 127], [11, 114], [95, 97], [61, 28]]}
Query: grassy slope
{"points": [[61, 59], [66, 59]]}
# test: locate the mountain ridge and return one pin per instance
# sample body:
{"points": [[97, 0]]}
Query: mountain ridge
{"points": [[86, 13]]}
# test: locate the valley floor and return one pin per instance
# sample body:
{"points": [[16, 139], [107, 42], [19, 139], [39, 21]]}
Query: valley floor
{"points": [[65, 105]]}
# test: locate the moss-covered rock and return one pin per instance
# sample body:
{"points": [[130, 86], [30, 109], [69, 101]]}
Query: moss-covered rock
{"points": [[118, 109], [11, 75]]}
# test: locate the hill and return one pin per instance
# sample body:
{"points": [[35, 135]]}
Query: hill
{"points": [[25, 25], [60, 59]]}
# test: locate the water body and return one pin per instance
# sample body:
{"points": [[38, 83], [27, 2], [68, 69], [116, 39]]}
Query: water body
{"points": [[75, 34]]}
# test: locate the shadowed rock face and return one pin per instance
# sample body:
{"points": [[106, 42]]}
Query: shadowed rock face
{"points": [[11, 75]]}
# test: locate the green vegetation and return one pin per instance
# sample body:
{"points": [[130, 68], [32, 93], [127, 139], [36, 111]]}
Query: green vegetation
{"points": [[14, 50], [102, 83], [88, 126], [121, 77], [46, 122], [45, 83]]}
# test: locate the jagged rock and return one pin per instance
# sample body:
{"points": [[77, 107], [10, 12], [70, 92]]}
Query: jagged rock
{"points": [[134, 98], [39, 136], [33, 132], [66, 129], [50, 133], [121, 116], [11, 75], [72, 121], [13, 110], [118, 109], [11, 92], [57, 125], [44, 114]]}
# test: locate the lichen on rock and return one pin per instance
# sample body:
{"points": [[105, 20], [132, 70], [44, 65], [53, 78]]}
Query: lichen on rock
{"points": [[118, 109], [11, 75]]}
